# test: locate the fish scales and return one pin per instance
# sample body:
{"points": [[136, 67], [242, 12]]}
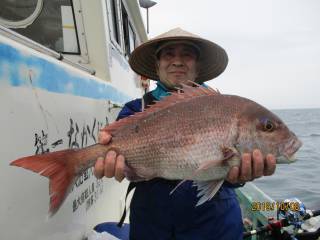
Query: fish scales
{"points": [[177, 138]]}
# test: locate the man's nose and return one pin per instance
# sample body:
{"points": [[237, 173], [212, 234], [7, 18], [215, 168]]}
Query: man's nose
{"points": [[177, 61]]}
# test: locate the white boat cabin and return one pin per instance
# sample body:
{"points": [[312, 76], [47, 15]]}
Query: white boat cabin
{"points": [[64, 74]]}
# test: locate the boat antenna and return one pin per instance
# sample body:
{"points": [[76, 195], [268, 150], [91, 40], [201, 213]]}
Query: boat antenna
{"points": [[147, 4]]}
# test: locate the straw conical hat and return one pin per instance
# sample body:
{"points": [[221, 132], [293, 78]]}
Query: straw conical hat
{"points": [[212, 61]]}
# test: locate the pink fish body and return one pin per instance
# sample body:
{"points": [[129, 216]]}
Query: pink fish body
{"points": [[195, 135]]}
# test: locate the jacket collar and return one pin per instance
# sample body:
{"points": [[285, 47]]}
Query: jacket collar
{"points": [[160, 91]]}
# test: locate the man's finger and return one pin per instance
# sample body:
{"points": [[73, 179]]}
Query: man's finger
{"points": [[104, 137], [109, 164], [119, 176], [99, 167], [257, 164], [270, 165], [246, 168], [233, 175]]}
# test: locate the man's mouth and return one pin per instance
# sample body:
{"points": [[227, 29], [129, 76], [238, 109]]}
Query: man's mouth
{"points": [[178, 72]]}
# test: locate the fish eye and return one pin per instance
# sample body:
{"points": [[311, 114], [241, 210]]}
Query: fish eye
{"points": [[268, 126]]}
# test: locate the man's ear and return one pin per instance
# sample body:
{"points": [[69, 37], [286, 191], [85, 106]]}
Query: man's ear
{"points": [[197, 69]]}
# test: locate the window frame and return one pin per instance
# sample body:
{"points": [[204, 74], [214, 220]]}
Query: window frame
{"points": [[118, 17], [134, 37], [121, 10], [76, 32], [125, 29], [83, 57]]}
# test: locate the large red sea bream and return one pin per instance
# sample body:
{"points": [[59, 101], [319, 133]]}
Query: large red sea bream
{"points": [[197, 134]]}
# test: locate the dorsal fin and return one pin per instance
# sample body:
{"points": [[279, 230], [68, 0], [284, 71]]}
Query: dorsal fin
{"points": [[183, 94]]}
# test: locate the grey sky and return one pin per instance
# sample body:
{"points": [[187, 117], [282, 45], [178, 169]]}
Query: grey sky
{"points": [[273, 45]]}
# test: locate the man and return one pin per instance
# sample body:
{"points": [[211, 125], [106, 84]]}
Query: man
{"points": [[174, 58]]}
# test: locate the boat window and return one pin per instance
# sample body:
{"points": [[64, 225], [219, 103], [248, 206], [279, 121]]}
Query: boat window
{"points": [[128, 32], [14, 10], [54, 27], [114, 21]]}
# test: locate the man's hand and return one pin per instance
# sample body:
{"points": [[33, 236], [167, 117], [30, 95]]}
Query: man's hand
{"points": [[252, 166], [112, 165]]}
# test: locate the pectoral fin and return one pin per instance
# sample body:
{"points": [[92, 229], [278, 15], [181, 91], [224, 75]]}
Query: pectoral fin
{"points": [[228, 153], [207, 189]]}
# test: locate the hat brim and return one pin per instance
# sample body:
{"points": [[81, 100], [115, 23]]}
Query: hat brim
{"points": [[212, 61]]}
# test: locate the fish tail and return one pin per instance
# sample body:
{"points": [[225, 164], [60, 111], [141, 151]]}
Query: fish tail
{"points": [[57, 166]]}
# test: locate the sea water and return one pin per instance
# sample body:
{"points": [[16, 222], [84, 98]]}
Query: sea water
{"points": [[300, 179]]}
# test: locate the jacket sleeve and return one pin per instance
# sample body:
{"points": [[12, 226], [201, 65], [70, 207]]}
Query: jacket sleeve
{"points": [[130, 108]]}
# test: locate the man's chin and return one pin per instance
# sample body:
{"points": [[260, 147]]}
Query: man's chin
{"points": [[170, 84], [176, 83]]}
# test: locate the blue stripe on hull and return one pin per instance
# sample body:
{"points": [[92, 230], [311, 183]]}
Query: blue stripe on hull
{"points": [[18, 68]]}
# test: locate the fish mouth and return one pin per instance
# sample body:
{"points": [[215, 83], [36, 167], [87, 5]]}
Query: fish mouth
{"points": [[289, 151]]}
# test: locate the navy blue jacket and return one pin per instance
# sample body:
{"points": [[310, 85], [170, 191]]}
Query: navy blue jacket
{"points": [[155, 214]]}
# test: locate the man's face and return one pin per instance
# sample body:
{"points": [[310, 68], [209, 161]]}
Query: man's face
{"points": [[177, 64]]}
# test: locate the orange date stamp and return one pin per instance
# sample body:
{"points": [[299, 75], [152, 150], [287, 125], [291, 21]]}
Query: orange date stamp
{"points": [[271, 206]]}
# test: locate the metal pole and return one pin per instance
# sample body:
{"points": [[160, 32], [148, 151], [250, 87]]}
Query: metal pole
{"points": [[147, 4]]}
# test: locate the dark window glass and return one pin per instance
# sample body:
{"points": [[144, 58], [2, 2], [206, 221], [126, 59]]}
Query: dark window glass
{"points": [[128, 33], [17, 10], [54, 27], [125, 25], [115, 21]]}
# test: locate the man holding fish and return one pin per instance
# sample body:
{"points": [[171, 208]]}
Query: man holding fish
{"points": [[175, 58], [185, 152]]}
